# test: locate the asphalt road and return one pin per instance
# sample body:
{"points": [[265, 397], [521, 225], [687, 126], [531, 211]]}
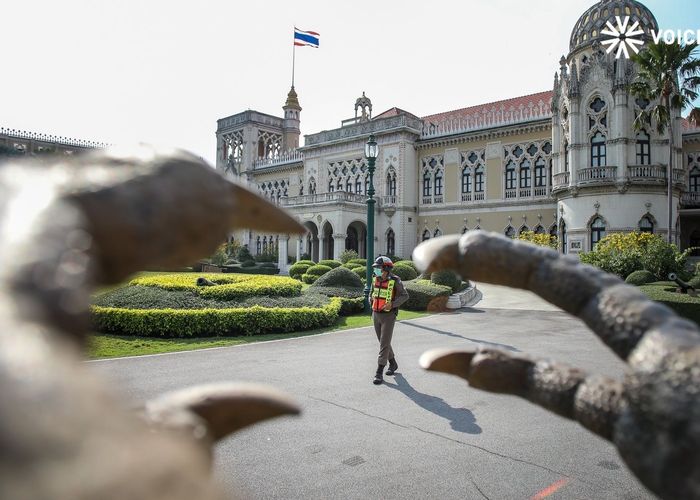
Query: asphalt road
{"points": [[420, 435]]}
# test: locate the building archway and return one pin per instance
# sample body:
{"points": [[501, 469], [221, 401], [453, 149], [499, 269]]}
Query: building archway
{"points": [[327, 241], [356, 238], [310, 241]]}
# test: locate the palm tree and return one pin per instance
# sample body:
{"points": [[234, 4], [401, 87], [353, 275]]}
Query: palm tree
{"points": [[668, 79]]}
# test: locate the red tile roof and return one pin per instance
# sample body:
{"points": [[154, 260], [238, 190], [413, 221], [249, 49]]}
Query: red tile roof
{"points": [[540, 100]]}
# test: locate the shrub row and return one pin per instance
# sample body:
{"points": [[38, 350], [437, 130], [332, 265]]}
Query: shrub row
{"points": [[446, 278], [229, 287], [423, 295], [254, 320]]}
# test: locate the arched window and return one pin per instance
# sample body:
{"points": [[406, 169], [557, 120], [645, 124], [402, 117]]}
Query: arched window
{"points": [[523, 229], [694, 180], [437, 233], [646, 225], [264, 244], [510, 232], [391, 184], [427, 191], [348, 186], [258, 247], [426, 235], [564, 238], [339, 185], [510, 175], [553, 231], [479, 179], [331, 186], [525, 180], [539, 229], [540, 174], [438, 183], [466, 181], [566, 156], [642, 146], [366, 185], [358, 185], [390, 243], [598, 154], [465, 229], [312, 186], [597, 231]]}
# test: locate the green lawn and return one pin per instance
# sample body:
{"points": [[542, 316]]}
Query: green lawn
{"points": [[113, 346], [664, 292]]}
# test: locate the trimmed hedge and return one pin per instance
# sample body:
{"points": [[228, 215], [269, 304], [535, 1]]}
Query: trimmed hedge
{"points": [[406, 273], [330, 263], [148, 297], [406, 263], [309, 262], [683, 304], [262, 269], [361, 272], [318, 270], [446, 278], [298, 269], [309, 279], [229, 287], [254, 320], [339, 277], [640, 278], [423, 295], [362, 262]]}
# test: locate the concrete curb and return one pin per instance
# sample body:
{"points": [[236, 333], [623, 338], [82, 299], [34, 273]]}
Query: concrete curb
{"points": [[464, 298]]}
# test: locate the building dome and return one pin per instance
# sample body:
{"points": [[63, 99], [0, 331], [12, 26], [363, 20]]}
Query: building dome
{"points": [[588, 27]]}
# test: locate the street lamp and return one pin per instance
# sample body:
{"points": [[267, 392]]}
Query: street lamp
{"points": [[371, 153]]}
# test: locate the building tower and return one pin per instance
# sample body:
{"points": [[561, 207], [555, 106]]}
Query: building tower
{"points": [[290, 128], [608, 177]]}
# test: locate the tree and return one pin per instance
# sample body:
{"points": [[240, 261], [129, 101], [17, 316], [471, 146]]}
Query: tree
{"points": [[668, 79]]}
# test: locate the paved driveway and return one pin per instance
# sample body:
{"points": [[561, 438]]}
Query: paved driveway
{"points": [[420, 435]]}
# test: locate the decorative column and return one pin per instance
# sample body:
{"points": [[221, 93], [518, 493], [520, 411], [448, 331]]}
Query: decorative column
{"points": [[282, 253], [299, 248], [338, 245]]}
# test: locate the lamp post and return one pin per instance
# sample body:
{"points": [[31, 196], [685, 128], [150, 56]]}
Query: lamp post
{"points": [[371, 153]]}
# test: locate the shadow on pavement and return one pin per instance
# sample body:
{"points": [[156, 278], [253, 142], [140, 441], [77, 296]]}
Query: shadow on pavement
{"points": [[476, 341], [461, 419]]}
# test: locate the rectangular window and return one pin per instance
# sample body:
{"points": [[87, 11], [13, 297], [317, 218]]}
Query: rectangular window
{"points": [[510, 179], [598, 155], [438, 186], [643, 153], [479, 182], [524, 177], [426, 186]]}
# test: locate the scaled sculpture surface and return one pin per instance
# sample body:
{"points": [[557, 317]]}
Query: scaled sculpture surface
{"points": [[652, 416], [65, 227]]}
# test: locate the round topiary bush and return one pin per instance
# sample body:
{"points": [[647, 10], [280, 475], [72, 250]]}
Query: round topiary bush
{"points": [[318, 270], [446, 278], [309, 279], [642, 277], [406, 273], [695, 282], [408, 263], [309, 262], [330, 263], [339, 277], [298, 269], [361, 262], [361, 272]]}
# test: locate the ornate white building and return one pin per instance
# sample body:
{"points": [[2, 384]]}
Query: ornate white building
{"points": [[567, 162]]}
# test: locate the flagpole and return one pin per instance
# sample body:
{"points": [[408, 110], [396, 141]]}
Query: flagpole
{"points": [[294, 53]]}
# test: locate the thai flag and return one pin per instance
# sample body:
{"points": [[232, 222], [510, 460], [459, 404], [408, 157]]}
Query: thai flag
{"points": [[306, 38]]}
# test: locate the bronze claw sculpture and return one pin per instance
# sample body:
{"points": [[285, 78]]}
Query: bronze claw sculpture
{"points": [[652, 415], [66, 227]]}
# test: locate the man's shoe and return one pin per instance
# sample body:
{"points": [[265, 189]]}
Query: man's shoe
{"points": [[393, 366], [378, 377]]}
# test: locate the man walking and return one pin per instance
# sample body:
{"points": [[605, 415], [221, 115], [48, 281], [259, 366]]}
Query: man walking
{"points": [[386, 295]]}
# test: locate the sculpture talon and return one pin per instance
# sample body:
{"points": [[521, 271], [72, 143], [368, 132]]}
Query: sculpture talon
{"points": [[64, 228], [652, 416]]}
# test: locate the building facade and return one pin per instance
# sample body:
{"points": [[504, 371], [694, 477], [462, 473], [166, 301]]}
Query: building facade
{"points": [[566, 162], [19, 142]]}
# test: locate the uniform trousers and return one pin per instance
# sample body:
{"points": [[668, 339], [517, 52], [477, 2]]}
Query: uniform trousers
{"points": [[384, 328]]}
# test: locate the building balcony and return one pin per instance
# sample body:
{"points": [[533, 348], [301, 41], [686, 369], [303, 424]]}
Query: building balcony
{"points": [[388, 201], [324, 199], [597, 175], [560, 181], [691, 199], [646, 174]]}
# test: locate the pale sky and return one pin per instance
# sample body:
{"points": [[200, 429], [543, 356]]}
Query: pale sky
{"points": [[163, 72]]}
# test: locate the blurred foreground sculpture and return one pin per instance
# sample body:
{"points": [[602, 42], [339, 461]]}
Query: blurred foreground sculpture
{"points": [[652, 415], [65, 228]]}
